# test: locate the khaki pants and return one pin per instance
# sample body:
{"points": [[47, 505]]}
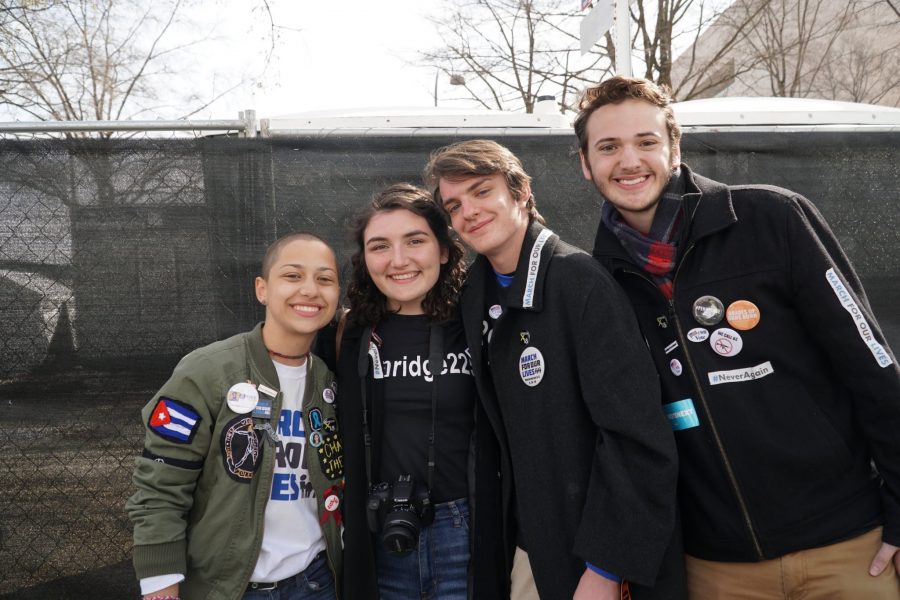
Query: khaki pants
{"points": [[836, 572], [522, 581]]}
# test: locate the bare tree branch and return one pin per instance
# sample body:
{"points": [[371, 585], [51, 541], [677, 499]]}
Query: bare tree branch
{"points": [[806, 48], [98, 59], [894, 6], [512, 51]]}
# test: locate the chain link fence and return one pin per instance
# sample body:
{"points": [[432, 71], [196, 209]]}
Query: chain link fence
{"points": [[118, 256]]}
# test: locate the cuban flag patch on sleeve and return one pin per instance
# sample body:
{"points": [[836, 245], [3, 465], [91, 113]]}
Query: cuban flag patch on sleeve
{"points": [[174, 421]]}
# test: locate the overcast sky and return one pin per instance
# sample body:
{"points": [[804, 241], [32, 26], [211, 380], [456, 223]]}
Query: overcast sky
{"points": [[328, 55], [354, 53]]}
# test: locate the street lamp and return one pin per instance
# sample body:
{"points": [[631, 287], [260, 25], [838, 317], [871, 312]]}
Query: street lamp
{"points": [[455, 79]]}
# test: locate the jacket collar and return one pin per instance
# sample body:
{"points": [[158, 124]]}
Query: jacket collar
{"points": [[261, 366], [707, 205], [527, 289], [260, 362]]}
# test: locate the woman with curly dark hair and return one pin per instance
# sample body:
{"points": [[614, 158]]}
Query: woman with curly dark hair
{"points": [[413, 449]]}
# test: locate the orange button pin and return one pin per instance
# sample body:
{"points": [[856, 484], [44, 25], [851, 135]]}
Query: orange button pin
{"points": [[742, 315]]}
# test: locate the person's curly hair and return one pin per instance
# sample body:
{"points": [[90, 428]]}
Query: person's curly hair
{"points": [[618, 89], [368, 305]]}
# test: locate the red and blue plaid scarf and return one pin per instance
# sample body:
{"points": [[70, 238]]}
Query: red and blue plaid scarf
{"points": [[656, 252]]}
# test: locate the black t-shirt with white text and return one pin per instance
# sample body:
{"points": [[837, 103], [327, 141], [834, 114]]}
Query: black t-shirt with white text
{"points": [[406, 381]]}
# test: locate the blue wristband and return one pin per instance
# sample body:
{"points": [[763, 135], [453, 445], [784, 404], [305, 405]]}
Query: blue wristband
{"points": [[603, 573]]}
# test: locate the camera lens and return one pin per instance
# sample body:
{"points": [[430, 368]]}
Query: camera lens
{"points": [[401, 532]]}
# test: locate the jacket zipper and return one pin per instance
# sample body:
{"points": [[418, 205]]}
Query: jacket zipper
{"points": [[305, 407], [742, 504], [269, 489], [246, 577], [504, 530]]}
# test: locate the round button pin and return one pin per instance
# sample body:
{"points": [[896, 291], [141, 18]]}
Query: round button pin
{"points": [[698, 334], [708, 310], [742, 315], [495, 311], [328, 395], [675, 365], [531, 366], [242, 398], [726, 342], [332, 502]]}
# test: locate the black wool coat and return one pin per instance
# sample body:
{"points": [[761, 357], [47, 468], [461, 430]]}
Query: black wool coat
{"points": [[777, 434], [588, 457]]}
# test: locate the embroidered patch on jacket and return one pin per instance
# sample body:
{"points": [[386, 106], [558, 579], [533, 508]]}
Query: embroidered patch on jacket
{"points": [[331, 456], [174, 421], [315, 419], [241, 449]]}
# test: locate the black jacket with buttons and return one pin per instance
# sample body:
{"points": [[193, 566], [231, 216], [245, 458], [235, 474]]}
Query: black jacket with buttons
{"points": [[588, 457], [788, 426]]}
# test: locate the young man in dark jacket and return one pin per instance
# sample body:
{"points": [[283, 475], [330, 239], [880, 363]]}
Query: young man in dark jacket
{"points": [[776, 378], [588, 460]]}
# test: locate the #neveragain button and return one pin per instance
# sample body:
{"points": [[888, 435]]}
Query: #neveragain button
{"points": [[742, 315], [726, 342], [531, 366], [242, 398]]}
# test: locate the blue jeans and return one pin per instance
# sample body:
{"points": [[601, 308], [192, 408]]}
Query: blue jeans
{"points": [[314, 583], [438, 568]]}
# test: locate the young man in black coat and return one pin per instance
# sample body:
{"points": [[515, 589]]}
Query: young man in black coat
{"points": [[776, 378], [588, 459]]}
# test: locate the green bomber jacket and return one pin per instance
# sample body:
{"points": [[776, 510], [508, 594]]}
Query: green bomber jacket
{"points": [[206, 472]]}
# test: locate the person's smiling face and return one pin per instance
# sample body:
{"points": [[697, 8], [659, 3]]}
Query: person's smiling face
{"points": [[300, 292], [403, 258], [487, 217], [630, 158]]}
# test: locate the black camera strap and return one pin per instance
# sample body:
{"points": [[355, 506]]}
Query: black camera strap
{"points": [[435, 362]]}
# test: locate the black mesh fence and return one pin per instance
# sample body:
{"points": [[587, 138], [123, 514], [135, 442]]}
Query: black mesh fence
{"points": [[119, 256]]}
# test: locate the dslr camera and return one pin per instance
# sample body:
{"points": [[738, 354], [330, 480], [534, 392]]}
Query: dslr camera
{"points": [[399, 512]]}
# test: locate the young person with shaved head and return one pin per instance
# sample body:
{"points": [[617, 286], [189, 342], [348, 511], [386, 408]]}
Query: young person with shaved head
{"points": [[240, 481]]}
